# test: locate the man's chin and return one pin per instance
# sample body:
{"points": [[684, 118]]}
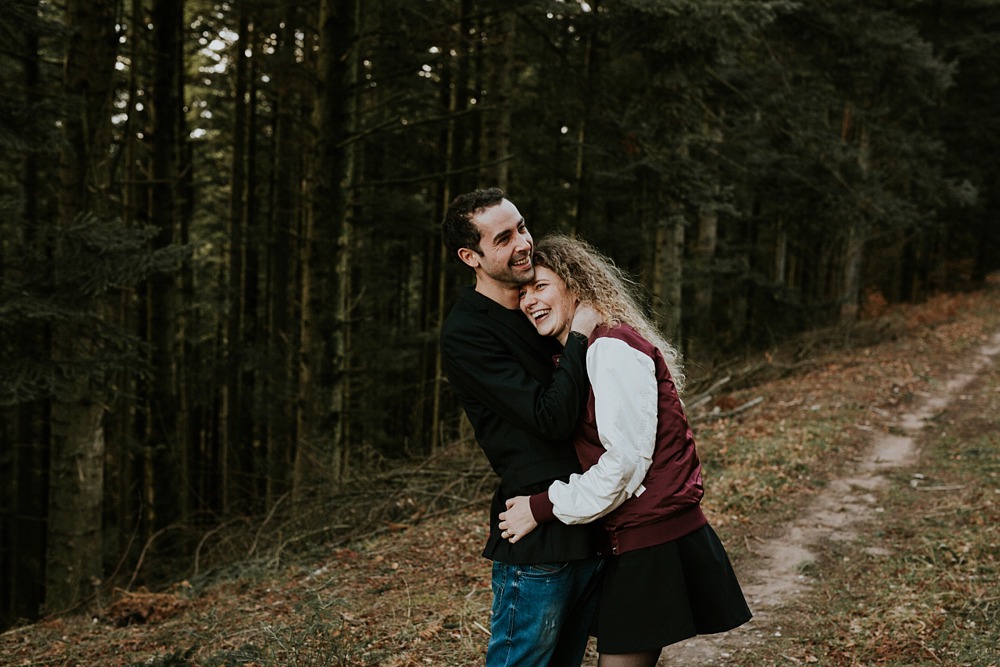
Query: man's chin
{"points": [[524, 276]]}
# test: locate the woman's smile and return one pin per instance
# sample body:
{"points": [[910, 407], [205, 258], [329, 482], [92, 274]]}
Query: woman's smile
{"points": [[548, 304]]}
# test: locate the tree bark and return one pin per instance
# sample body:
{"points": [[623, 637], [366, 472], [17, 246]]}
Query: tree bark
{"points": [[453, 101], [76, 480], [857, 233], [283, 255], [325, 327], [779, 260], [24, 428], [589, 67], [496, 140], [703, 261], [668, 270], [238, 281], [165, 447]]}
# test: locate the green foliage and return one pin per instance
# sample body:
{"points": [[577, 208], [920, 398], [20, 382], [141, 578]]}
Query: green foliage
{"points": [[794, 124], [98, 259]]}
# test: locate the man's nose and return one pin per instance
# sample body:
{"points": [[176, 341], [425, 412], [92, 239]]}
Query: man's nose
{"points": [[523, 242]]}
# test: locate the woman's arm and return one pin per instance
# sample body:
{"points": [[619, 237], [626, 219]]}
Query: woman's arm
{"points": [[625, 403]]}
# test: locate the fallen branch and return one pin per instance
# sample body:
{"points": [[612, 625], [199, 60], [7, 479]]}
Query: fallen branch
{"points": [[712, 416]]}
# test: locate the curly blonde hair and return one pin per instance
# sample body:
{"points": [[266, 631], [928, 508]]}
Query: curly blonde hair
{"points": [[594, 278]]}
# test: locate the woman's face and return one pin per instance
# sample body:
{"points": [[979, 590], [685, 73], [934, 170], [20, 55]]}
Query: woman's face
{"points": [[549, 304]]}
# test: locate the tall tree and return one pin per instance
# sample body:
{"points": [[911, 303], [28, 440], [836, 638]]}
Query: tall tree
{"points": [[283, 272], [24, 404], [76, 487], [703, 145], [165, 446], [240, 280], [328, 238]]}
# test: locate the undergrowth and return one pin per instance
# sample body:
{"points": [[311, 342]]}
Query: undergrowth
{"points": [[922, 587]]}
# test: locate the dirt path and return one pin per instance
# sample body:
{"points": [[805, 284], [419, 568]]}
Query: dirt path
{"points": [[838, 512]]}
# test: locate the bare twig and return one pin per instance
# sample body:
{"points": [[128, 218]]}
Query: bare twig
{"points": [[735, 411]]}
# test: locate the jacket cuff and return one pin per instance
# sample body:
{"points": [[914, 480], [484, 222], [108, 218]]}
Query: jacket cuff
{"points": [[542, 508], [576, 338], [574, 353]]}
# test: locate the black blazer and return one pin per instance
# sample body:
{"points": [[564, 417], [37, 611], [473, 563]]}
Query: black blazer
{"points": [[524, 410]]}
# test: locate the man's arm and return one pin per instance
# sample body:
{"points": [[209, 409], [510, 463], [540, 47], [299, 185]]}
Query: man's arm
{"points": [[481, 365]]}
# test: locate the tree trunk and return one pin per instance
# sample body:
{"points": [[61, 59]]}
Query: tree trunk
{"points": [[668, 269], [255, 285], [326, 278], [24, 428], [165, 447], [24, 435], [453, 100], [702, 332], [589, 68], [283, 278], [496, 135], [779, 261], [76, 491], [123, 424], [857, 233], [235, 392], [851, 284], [193, 355], [76, 480]]}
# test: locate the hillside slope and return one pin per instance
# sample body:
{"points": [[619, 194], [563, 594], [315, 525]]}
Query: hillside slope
{"points": [[806, 468]]}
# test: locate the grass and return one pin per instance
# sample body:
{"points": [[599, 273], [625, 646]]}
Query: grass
{"points": [[923, 587], [920, 586]]}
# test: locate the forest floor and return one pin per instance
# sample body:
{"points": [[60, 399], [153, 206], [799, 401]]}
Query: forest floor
{"points": [[854, 477]]}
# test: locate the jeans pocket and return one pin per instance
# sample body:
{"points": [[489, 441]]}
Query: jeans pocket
{"points": [[544, 570]]}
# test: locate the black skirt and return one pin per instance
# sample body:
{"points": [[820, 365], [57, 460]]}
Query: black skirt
{"points": [[660, 595]]}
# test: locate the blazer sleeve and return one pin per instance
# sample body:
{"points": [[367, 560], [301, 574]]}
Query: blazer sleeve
{"points": [[482, 367]]}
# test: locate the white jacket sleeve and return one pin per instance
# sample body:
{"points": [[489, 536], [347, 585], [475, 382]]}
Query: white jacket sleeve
{"points": [[625, 403]]}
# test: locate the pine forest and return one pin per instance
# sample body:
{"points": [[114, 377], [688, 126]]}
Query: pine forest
{"points": [[221, 272]]}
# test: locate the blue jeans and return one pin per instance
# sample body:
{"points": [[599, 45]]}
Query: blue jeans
{"points": [[542, 613]]}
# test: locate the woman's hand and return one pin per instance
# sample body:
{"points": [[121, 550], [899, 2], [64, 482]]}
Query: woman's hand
{"points": [[518, 520]]}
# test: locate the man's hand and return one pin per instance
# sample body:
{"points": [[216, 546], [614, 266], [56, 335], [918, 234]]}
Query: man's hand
{"points": [[517, 521], [586, 319]]}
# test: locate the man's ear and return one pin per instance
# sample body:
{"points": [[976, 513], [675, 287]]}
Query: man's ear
{"points": [[469, 257]]}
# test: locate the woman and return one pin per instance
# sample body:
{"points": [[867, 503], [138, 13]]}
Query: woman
{"points": [[667, 576]]}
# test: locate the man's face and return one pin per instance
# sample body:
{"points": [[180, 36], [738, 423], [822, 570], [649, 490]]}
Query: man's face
{"points": [[506, 246]]}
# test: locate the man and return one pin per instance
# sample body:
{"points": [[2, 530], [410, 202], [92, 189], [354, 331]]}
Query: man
{"points": [[523, 409]]}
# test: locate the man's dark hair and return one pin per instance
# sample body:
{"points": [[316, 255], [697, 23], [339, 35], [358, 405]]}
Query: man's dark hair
{"points": [[458, 230]]}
